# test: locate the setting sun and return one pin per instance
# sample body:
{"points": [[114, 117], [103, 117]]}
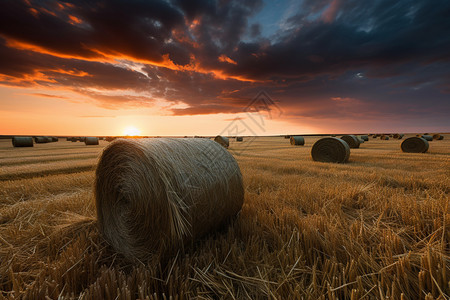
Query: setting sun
{"points": [[131, 131]]}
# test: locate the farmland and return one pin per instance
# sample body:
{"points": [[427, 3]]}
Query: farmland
{"points": [[377, 227]]}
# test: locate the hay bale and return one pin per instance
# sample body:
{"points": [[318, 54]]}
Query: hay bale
{"points": [[361, 141], [415, 145], [438, 137], [384, 137], [223, 140], [41, 139], [297, 140], [239, 139], [427, 137], [351, 140], [154, 196], [54, 139], [90, 140], [330, 149], [22, 141], [365, 138], [287, 136]]}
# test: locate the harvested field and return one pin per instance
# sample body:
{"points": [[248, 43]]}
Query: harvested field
{"points": [[377, 227]]}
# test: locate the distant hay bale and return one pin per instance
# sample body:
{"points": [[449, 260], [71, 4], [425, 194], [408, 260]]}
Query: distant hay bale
{"points": [[384, 137], [361, 141], [157, 195], [330, 149], [222, 140], [287, 136], [438, 137], [297, 140], [90, 140], [41, 139], [239, 139], [351, 140], [54, 139], [22, 141], [415, 145], [427, 137], [365, 138], [398, 136]]}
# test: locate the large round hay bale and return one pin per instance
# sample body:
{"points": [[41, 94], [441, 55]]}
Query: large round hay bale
{"points": [[239, 139], [54, 139], [330, 149], [22, 141], [154, 196], [297, 140], [384, 137], [40, 139], [351, 140], [438, 136], [415, 145], [361, 141], [223, 140], [90, 140], [427, 137], [365, 138]]}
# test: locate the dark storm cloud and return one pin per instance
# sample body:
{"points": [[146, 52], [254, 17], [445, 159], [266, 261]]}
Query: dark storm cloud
{"points": [[390, 53]]}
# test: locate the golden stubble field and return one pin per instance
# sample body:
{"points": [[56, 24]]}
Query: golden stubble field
{"points": [[375, 228]]}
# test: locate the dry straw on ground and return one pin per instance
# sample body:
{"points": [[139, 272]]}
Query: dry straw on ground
{"points": [[156, 195], [351, 140], [375, 228], [415, 145], [22, 141], [222, 140], [297, 140], [330, 149], [90, 140]]}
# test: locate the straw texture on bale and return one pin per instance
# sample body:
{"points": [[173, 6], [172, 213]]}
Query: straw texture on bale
{"points": [[91, 140], [159, 195], [438, 137], [330, 149], [22, 141], [351, 140], [222, 140], [365, 138], [239, 139], [415, 145], [297, 140], [427, 137]]}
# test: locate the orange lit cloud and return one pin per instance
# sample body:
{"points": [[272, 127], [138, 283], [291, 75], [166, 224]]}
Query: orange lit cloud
{"points": [[224, 58]]}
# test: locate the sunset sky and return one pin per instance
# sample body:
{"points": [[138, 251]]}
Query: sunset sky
{"points": [[194, 67]]}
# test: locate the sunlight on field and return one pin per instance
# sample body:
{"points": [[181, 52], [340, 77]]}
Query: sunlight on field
{"points": [[376, 227]]}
